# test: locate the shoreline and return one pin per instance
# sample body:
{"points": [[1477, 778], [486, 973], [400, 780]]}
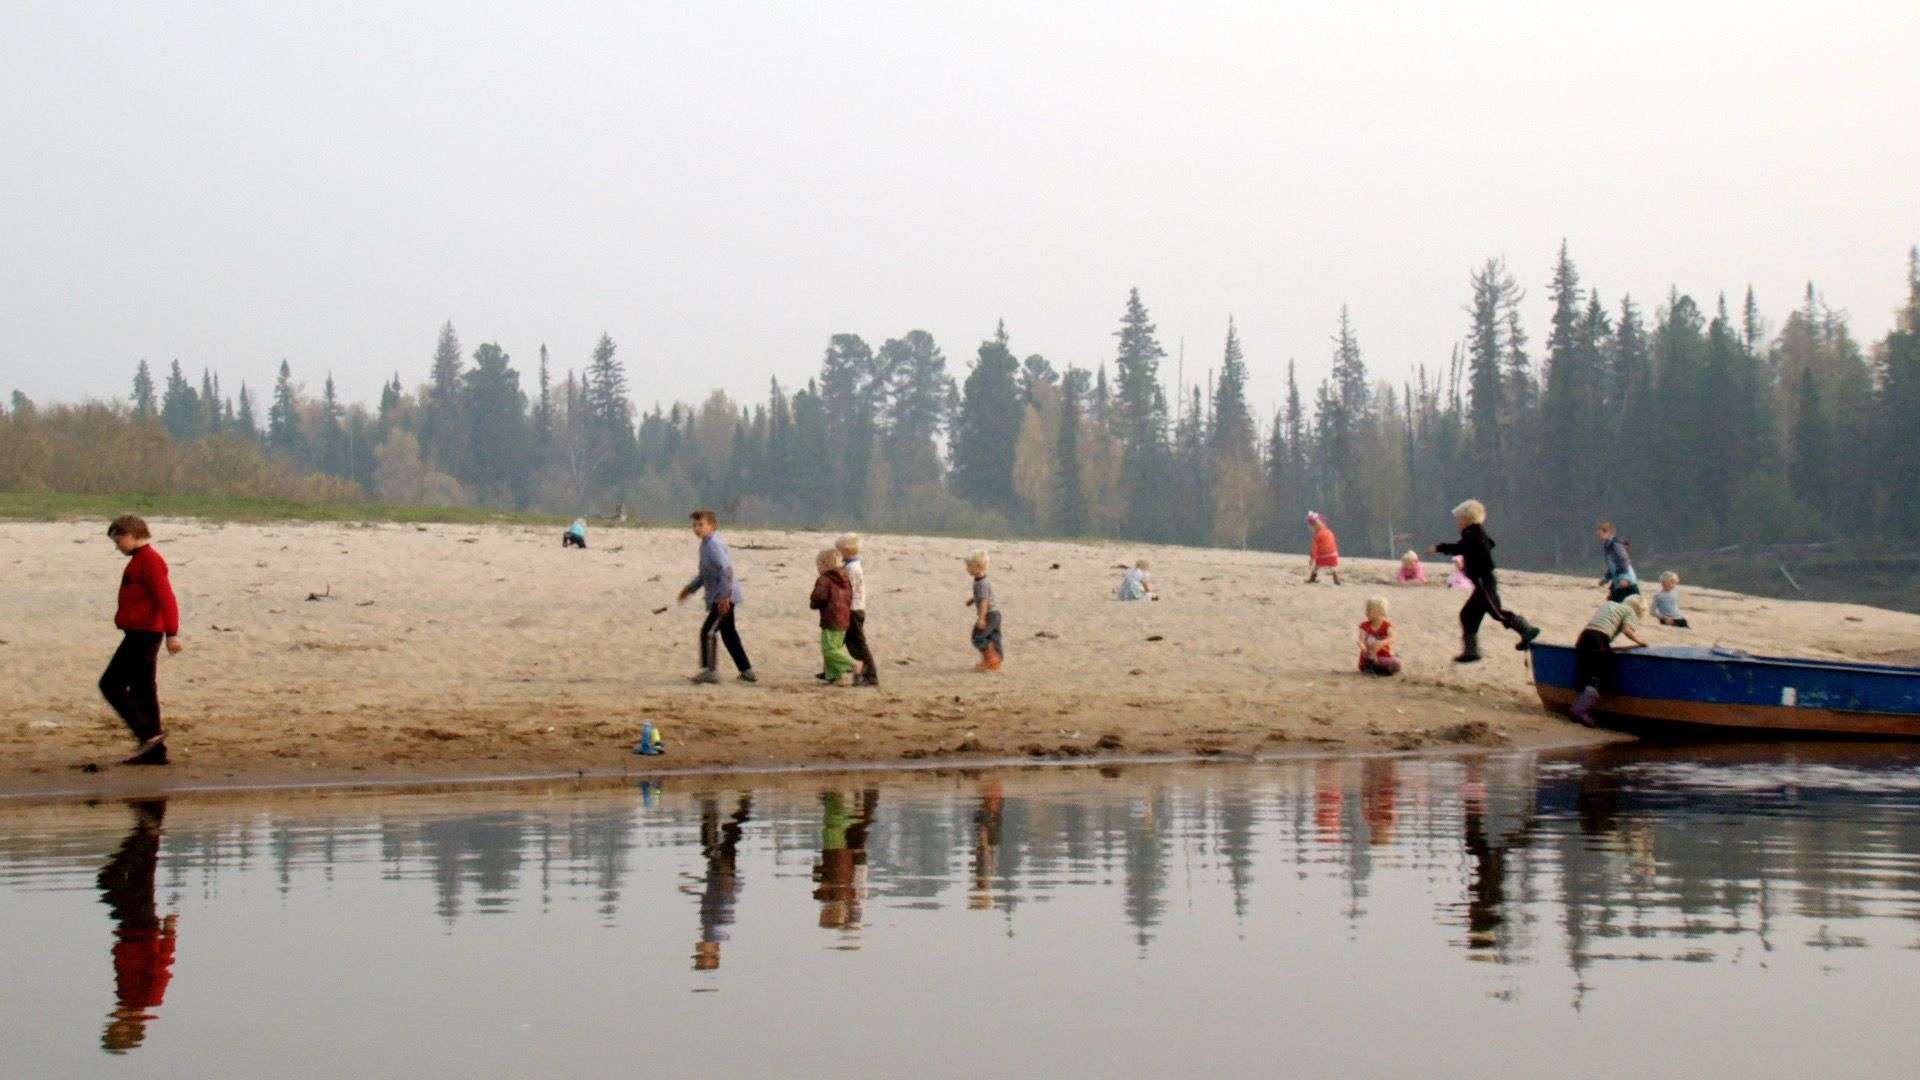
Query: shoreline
{"points": [[379, 654]]}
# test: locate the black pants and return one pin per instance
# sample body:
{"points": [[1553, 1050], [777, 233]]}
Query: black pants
{"points": [[1592, 659], [1621, 592], [1485, 601], [568, 540], [131, 685], [857, 645], [719, 629]]}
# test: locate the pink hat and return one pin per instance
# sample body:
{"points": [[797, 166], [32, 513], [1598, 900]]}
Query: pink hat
{"points": [[1314, 518]]}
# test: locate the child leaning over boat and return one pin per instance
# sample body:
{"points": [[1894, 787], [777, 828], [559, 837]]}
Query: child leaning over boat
{"points": [[1593, 650]]}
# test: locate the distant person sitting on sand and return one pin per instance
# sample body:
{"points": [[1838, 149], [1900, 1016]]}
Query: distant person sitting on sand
{"points": [[986, 621], [1475, 549], [1412, 570], [1620, 581], [147, 615], [1458, 578], [1593, 650], [1666, 602], [576, 534], [1376, 641], [833, 598], [849, 547], [1137, 583], [716, 580], [1326, 549]]}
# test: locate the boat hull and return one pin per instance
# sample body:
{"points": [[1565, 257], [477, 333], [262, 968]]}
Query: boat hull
{"points": [[1714, 688]]}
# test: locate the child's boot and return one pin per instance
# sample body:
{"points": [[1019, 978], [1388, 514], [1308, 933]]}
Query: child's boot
{"points": [[1582, 709], [993, 658], [1527, 632], [1469, 649]]}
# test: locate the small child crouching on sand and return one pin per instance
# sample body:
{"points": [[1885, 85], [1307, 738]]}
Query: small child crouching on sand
{"points": [[1593, 650], [1412, 570], [1666, 602], [1326, 549], [1137, 584], [986, 622], [576, 535], [833, 599], [1376, 641]]}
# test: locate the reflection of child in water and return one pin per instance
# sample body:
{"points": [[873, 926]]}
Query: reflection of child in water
{"points": [[842, 869], [719, 890], [986, 847], [143, 942]]}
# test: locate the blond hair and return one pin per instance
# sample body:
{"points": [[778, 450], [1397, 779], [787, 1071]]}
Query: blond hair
{"points": [[848, 544], [1409, 558], [1377, 608], [977, 560], [828, 559], [1638, 605], [1142, 564], [1669, 578], [1473, 511]]}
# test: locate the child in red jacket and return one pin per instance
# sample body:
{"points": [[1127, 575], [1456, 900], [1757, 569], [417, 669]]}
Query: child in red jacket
{"points": [[833, 599], [148, 615]]}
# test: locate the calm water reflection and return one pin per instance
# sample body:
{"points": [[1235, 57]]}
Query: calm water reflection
{"points": [[1732, 911]]}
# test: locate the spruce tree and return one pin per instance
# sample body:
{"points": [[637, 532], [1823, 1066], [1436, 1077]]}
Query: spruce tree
{"points": [[812, 479], [851, 390], [609, 416], [1070, 513], [144, 407], [916, 409], [1139, 421], [543, 407], [1811, 470], [1492, 286], [1036, 371], [180, 408], [330, 435], [244, 421], [1234, 466], [441, 426], [1900, 412], [497, 427], [209, 402], [283, 417]]}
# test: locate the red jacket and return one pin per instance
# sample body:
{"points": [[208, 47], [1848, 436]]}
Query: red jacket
{"points": [[833, 598], [146, 596]]}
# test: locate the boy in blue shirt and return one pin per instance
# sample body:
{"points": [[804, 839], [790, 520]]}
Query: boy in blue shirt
{"points": [[1620, 580], [723, 594]]}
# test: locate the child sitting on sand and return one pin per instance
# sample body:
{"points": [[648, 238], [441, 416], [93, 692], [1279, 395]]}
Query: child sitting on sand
{"points": [[1412, 570], [576, 534], [1376, 641], [1666, 602], [1475, 549], [1458, 578], [1593, 650], [833, 599], [148, 614], [1326, 549], [849, 547], [986, 623], [1137, 583], [1620, 580]]}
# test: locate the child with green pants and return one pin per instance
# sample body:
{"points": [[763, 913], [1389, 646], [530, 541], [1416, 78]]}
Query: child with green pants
{"points": [[833, 599]]}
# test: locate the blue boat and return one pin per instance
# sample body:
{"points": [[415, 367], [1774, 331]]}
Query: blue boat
{"points": [[1726, 688]]}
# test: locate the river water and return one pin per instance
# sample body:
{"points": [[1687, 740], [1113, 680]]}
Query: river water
{"points": [[1732, 911]]}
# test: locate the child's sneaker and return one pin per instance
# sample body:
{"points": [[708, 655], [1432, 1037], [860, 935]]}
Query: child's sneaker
{"points": [[749, 676], [706, 678]]}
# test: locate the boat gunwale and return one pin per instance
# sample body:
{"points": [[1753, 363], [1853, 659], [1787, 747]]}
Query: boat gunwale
{"points": [[1707, 655]]}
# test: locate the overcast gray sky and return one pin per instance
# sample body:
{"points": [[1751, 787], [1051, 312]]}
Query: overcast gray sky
{"points": [[720, 190]]}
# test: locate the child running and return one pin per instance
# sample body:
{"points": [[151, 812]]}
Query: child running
{"points": [[1412, 570], [986, 623], [833, 599], [148, 614], [1593, 650], [1376, 641], [1475, 550], [1137, 583], [723, 595], [849, 547], [1620, 581], [1326, 549], [1666, 602]]}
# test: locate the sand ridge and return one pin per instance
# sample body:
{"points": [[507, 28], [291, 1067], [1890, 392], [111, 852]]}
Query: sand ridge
{"points": [[446, 650]]}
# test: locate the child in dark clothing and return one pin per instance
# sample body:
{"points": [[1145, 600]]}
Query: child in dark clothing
{"points": [[833, 599], [1593, 650], [148, 613], [1620, 580], [1475, 549]]}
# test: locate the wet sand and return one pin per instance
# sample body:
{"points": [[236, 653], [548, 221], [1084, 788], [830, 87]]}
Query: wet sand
{"points": [[444, 651]]}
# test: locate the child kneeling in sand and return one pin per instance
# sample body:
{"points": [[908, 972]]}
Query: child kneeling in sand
{"points": [[833, 599], [576, 534], [1593, 650], [1137, 584], [986, 623], [1412, 570], [1666, 602], [1376, 641]]}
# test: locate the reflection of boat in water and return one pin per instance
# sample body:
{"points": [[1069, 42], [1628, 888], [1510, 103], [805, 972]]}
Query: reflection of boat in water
{"points": [[1726, 688]]}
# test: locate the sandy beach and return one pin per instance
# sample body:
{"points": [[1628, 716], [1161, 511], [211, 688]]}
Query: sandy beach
{"points": [[456, 650]]}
